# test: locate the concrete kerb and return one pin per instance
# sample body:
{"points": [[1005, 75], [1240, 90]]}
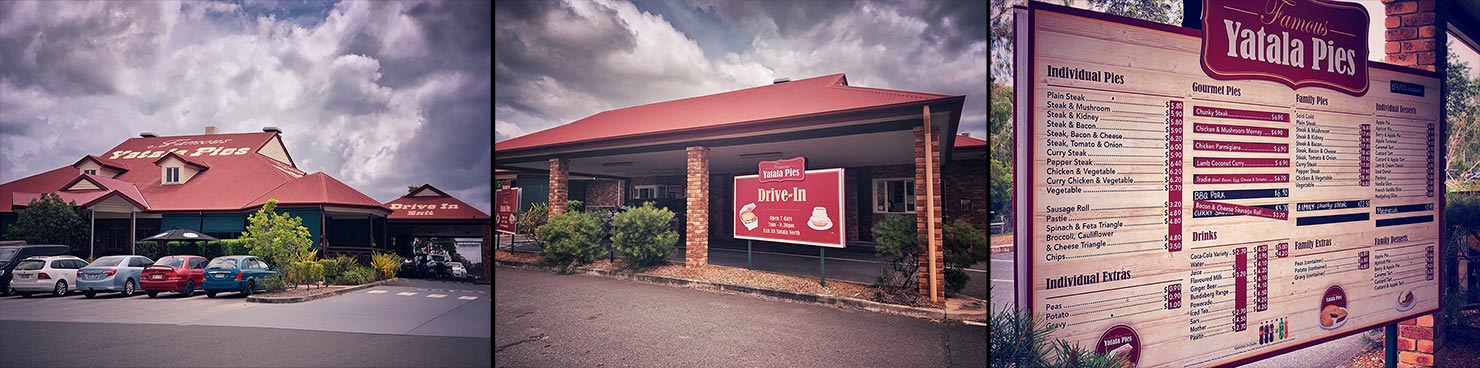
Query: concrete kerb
{"points": [[300, 299], [855, 303]]}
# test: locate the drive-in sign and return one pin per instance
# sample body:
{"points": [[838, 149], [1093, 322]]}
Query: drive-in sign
{"points": [[507, 203], [788, 204]]}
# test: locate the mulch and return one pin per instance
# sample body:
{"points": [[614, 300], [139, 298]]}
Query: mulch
{"points": [[1001, 239], [302, 290]]}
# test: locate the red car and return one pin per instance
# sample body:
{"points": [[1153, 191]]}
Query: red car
{"points": [[183, 274]]}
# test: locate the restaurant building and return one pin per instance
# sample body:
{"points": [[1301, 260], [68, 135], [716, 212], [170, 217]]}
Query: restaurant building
{"points": [[212, 182], [684, 155]]}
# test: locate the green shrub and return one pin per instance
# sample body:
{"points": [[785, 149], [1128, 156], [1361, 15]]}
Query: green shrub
{"points": [[1019, 340], [571, 240], [147, 249], [898, 250], [356, 275], [642, 235], [273, 282], [343, 264], [533, 218], [386, 264], [965, 246], [314, 272], [330, 269]]}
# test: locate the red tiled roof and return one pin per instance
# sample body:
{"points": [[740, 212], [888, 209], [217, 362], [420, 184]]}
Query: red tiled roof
{"points": [[825, 94], [440, 207], [316, 188], [964, 141], [238, 178], [88, 197]]}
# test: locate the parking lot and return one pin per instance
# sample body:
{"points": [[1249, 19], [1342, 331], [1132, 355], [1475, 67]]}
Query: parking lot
{"points": [[388, 323]]}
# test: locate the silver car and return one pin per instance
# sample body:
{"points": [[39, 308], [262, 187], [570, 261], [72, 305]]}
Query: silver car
{"points": [[112, 274], [457, 270]]}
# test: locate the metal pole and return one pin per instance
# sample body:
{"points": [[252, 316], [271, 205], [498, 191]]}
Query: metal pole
{"points": [[822, 266], [1390, 345], [748, 264], [92, 230]]}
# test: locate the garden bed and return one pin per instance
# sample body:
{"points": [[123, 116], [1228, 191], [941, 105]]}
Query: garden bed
{"points": [[303, 290]]}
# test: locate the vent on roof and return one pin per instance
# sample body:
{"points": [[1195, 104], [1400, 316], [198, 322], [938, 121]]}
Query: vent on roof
{"points": [[781, 80], [272, 129], [147, 134], [966, 135], [210, 129]]}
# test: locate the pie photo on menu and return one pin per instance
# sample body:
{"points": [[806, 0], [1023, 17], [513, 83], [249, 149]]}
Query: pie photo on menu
{"points": [[1406, 301], [1333, 308]]}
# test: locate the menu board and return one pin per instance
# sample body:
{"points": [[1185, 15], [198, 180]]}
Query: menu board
{"points": [[786, 203], [1188, 221]]}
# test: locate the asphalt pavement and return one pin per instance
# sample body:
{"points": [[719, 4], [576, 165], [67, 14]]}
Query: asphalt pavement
{"points": [[855, 263], [412, 323], [543, 319]]}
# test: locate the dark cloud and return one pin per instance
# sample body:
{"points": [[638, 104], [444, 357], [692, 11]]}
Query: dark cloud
{"points": [[81, 54]]}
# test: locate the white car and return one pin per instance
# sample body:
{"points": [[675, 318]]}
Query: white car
{"points": [[457, 270], [50, 274]]}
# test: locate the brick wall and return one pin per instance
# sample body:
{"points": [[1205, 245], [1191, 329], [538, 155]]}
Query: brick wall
{"points": [[697, 192], [966, 180], [921, 214], [603, 193], [559, 185], [1412, 36]]}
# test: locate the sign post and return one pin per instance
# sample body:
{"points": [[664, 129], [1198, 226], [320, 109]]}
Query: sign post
{"points": [[1215, 197], [786, 203]]}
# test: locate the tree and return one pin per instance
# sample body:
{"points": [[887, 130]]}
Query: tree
{"points": [[275, 237], [898, 250], [1463, 107], [1160, 11], [48, 220]]}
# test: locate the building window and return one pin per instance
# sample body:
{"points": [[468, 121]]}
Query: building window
{"points": [[172, 175], [894, 195], [650, 191], [90, 171]]}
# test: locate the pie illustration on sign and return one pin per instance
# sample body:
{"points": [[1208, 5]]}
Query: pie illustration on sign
{"points": [[748, 218], [819, 220], [1333, 308], [1332, 315], [1406, 301]]}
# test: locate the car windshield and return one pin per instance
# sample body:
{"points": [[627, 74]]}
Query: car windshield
{"points": [[106, 262], [456, 265], [439, 258], [222, 263], [30, 264], [171, 261], [6, 254]]}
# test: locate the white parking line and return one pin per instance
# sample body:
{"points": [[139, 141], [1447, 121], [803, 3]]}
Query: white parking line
{"points": [[1002, 280], [467, 298], [408, 293], [974, 323], [1001, 260], [375, 292], [437, 295]]}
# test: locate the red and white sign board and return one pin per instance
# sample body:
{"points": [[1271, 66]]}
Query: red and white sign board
{"points": [[506, 203], [787, 204]]}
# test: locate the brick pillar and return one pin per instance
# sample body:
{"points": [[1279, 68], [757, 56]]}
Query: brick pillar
{"points": [[1416, 342], [559, 185], [696, 237], [1412, 37], [921, 215]]}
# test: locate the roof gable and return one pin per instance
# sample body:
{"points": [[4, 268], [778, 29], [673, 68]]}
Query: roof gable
{"points": [[427, 190], [101, 162]]}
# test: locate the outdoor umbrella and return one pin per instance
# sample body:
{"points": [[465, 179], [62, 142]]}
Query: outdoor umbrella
{"points": [[177, 234]]}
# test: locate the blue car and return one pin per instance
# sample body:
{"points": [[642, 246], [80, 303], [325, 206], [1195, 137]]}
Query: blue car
{"points": [[112, 274], [235, 274]]}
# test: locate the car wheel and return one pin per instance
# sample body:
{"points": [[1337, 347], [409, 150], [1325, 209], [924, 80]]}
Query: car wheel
{"points": [[251, 285], [128, 288], [90, 294], [61, 289], [210, 294], [189, 288], [153, 294]]}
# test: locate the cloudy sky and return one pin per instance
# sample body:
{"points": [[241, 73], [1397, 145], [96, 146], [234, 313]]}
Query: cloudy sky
{"points": [[379, 94], [562, 60]]}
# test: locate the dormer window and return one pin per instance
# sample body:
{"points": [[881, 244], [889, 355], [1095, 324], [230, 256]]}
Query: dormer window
{"points": [[90, 171], [172, 175]]}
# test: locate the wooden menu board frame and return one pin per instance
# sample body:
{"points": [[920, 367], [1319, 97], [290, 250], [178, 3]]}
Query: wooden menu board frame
{"points": [[1029, 248]]}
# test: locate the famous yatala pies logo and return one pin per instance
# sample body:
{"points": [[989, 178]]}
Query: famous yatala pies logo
{"points": [[212, 147]]}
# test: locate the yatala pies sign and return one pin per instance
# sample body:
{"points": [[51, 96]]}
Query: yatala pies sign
{"points": [[1297, 43], [787, 203], [212, 147]]}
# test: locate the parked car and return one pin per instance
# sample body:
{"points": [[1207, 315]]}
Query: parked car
{"points": [[235, 274], [112, 274], [457, 270], [437, 264], [12, 255], [54, 274], [182, 274]]}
